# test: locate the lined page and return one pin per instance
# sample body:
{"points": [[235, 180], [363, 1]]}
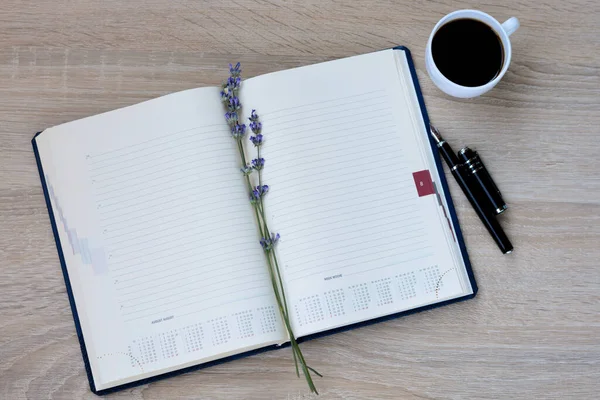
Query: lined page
{"points": [[161, 245], [357, 240], [363, 196], [168, 201]]}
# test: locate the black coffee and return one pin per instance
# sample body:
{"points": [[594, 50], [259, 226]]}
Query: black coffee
{"points": [[467, 52]]}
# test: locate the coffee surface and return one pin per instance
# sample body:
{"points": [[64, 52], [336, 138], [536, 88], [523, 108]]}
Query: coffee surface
{"points": [[467, 52]]}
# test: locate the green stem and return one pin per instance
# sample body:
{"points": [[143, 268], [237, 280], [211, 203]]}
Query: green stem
{"points": [[282, 311], [276, 271], [260, 170], [293, 342], [296, 363], [315, 371], [264, 221], [285, 305], [262, 234], [241, 149], [275, 274], [296, 348], [279, 276], [249, 185]]}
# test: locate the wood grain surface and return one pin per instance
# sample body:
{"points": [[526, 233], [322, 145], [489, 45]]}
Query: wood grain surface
{"points": [[533, 332]]}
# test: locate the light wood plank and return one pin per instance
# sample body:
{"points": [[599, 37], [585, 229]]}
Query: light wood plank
{"points": [[534, 329]]}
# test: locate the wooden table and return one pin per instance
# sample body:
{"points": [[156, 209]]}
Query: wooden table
{"points": [[534, 329]]}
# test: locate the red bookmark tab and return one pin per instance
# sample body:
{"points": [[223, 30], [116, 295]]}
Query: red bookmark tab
{"points": [[423, 183]]}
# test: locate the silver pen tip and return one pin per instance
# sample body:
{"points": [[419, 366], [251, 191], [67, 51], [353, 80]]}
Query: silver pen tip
{"points": [[435, 133]]}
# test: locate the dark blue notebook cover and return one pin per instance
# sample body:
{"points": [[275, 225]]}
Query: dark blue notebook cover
{"points": [[451, 210]]}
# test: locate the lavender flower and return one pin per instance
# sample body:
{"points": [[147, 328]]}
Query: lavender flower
{"points": [[234, 103], [256, 140], [231, 118], [258, 163], [224, 96], [238, 131], [255, 126], [233, 84], [258, 192], [269, 243], [235, 71], [247, 169]]}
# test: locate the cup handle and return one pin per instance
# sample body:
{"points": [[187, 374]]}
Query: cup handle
{"points": [[511, 25]]}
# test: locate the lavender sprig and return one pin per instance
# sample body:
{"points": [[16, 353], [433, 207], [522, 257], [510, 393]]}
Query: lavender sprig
{"points": [[256, 128], [258, 193], [253, 116], [235, 71], [255, 125], [247, 169], [268, 241], [256, 140], [233, 104], [231, 118], [233, 84], [258, 163], [238, 131]]}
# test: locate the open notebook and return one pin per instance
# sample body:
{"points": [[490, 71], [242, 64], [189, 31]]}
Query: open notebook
{"points": [[158, 242]]}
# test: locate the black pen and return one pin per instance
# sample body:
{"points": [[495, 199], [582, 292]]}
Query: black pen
{"points": [[476, 196]]}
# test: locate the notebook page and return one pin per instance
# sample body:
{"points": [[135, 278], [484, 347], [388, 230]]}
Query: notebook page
{"points": [[357, 239], [159, 239]]}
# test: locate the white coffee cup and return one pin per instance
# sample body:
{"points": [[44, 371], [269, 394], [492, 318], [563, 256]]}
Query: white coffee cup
{"points": [[502, 30]]}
